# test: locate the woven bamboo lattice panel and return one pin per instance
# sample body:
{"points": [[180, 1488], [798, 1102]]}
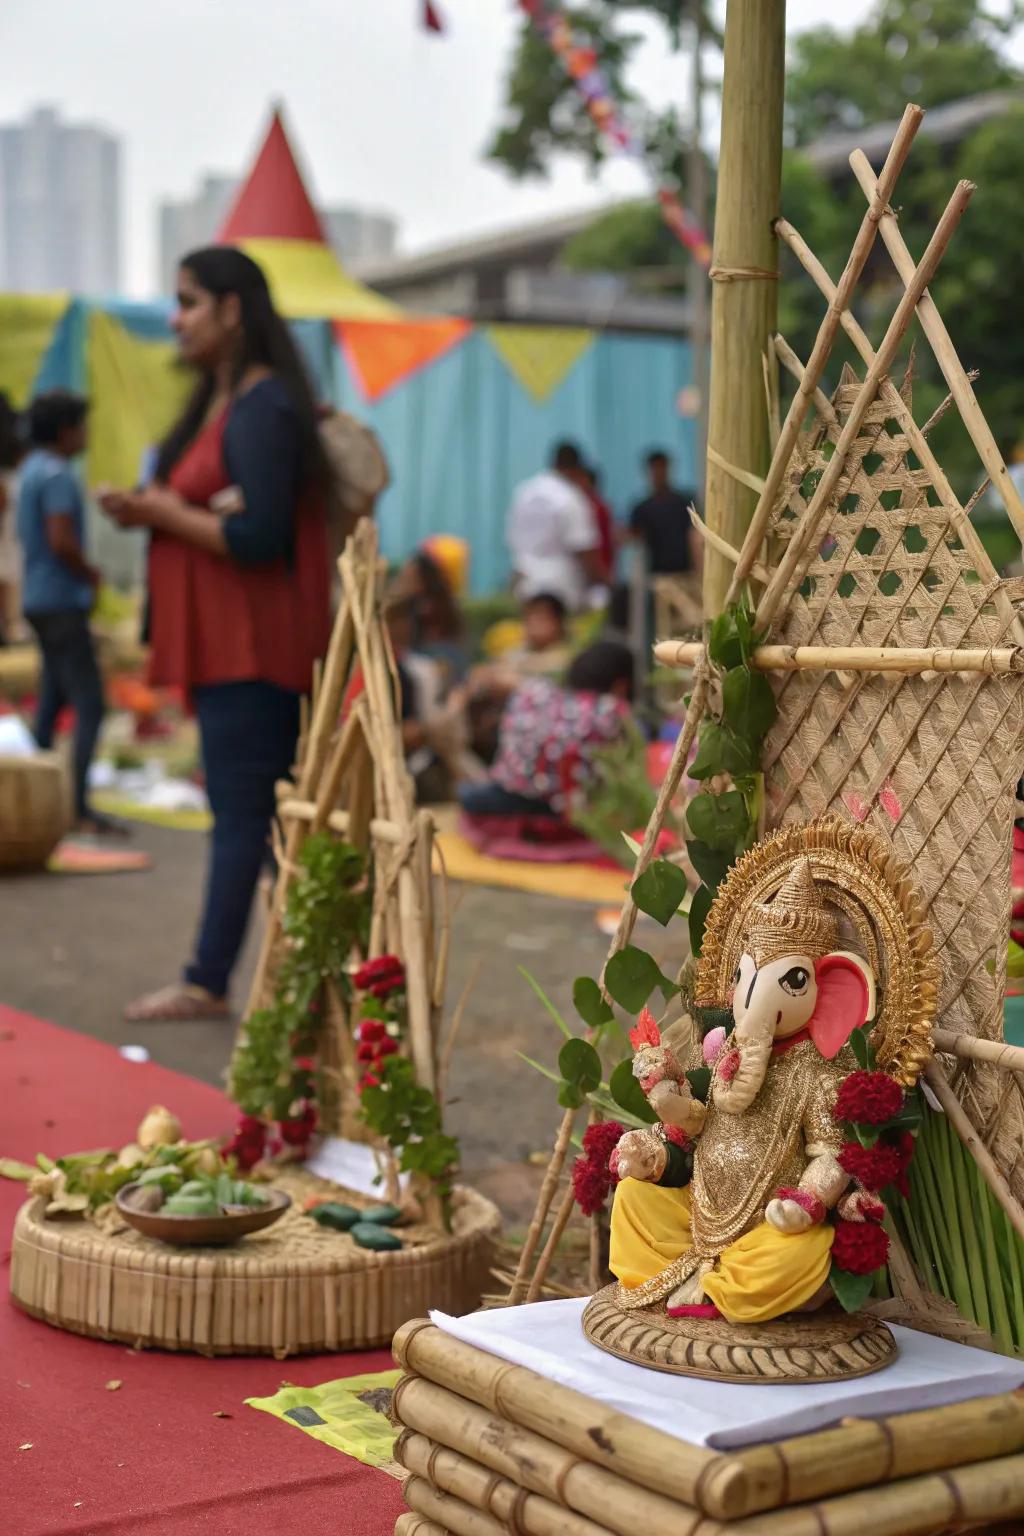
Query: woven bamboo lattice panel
{"points": [[931, 762], [295, 1288]]}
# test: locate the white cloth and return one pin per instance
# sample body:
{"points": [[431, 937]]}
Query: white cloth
{"points": [[548, 1338], [350, 1164], [550, 523]]}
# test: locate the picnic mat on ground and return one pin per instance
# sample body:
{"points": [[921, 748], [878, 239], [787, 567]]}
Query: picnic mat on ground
{"points": [[153, 1457], [130, 810], [573, 882], [351, 1415]]}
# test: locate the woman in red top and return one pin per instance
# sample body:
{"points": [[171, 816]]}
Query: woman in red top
{"points": [[239, 583]]}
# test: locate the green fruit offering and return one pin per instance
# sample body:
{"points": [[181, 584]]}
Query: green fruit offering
{"points": [[381, 1215], [335, 1215], [167, 1179], [183, 1204], [370, 1234]]}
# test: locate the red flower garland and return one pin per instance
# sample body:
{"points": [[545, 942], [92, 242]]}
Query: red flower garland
{"points": [[380, 977], [875, 1168], [868, 1098], [591, 1174], [859, 1247]]}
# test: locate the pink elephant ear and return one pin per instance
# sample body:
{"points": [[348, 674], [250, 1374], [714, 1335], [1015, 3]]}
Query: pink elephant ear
{"points": [[843, 1002]]}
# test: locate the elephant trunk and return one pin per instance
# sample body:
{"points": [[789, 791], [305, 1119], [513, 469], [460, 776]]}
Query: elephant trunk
{"points": [[736, 1095]]}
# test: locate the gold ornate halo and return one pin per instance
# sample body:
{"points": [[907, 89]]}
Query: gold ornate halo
{"points": [[860, 875]]}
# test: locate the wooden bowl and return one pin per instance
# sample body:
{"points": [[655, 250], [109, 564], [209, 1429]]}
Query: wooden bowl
{"points": [[203, 1231]]}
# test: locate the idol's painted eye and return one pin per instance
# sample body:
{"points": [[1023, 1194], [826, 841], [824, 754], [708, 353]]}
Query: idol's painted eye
{"points": [[795, 981], [736, 977]]}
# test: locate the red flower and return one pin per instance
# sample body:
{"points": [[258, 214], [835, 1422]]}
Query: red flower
{"points": [[304, 1064], [368, 1081], [600, 1139], [868, 1098], [590, 1184], [372, 1029], [387, 984], [297, 1131], [386, 1047], [367, 1051], [375, 971], [860, 1247], [246, 1146], [873, 1167]]}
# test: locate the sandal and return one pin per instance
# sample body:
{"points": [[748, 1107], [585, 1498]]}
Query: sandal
{"points": [[179, 1003]]}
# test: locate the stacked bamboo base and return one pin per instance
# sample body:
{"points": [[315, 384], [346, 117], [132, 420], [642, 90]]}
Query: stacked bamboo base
{"points": [[295, 1288], [492, 1447]]}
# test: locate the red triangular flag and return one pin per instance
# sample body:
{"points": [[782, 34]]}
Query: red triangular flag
{"points": [[272, 203], [432, 17]]}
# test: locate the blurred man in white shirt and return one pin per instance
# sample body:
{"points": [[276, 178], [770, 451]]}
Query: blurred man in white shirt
{"points": [[552, 533]]}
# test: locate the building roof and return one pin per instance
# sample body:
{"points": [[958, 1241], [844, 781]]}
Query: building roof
{"points": [[947, 124]]}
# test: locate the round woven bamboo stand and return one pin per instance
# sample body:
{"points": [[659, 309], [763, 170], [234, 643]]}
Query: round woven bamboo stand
{"points": [[821, 1346], [33, 809], [296, 1288]]}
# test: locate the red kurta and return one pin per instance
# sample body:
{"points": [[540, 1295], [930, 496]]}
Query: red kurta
{"points": [[215, 621]]}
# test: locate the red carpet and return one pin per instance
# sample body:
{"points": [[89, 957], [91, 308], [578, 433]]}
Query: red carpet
{"points": [[150, 1459]]}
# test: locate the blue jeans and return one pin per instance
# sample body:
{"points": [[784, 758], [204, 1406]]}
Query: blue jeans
{"points": [[70, 676], [248, 732], [491, 799]]}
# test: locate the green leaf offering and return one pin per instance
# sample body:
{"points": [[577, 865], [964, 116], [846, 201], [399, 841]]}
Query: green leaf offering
{"points": [[589, 1002], [860, 1045], [570, 1095], [710, 863], [659, 890], [628, 1094], [580, 1065], [631, 975], [720, 751], [748, 705], [718, 820], [370, 1234], [851, 1291], [333, 1214], [700, 906]]}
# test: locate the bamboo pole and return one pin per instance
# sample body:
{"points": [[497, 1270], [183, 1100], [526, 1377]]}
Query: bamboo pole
{"points": [[504, 1500], [540, 1215], [907, 659], [411, 1524], [985, 1162], [558, 1226], [535, 1462], [453, 1516], [897, 328], [743, 271], [956, 376], [340, 821], [716, 541], [572, 1420], [994, 1053]]}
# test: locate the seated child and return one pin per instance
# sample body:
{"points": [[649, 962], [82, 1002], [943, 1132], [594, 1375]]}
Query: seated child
{"points": [[545, 650], [549, 733]]}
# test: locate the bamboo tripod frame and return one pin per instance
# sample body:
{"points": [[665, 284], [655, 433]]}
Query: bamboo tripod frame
{"points": [[928, 673], [351, 780]]}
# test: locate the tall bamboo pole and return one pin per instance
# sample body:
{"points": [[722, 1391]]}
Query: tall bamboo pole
{"points": [[743, 300]]}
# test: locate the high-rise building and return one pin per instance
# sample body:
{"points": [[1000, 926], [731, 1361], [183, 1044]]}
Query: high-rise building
{"points": [[355, 234], [60, 206]]}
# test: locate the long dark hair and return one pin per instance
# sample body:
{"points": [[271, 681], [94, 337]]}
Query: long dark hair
{"points": [[266, 342], [437, 591]]}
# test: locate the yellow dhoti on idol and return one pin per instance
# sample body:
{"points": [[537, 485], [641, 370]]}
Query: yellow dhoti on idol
{"points": [[761, 1275]]}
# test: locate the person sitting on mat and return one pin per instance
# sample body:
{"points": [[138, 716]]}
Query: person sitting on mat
{"points": [[549, 735]]}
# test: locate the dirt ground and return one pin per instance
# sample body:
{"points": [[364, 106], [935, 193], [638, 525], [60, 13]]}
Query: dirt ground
{"points": [[77, 947]]}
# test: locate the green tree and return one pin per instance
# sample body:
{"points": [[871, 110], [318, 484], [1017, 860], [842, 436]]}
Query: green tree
{"points": [[929, 51]]}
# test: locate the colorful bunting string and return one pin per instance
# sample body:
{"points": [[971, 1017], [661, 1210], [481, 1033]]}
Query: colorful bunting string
{"points": [[580, 61]]}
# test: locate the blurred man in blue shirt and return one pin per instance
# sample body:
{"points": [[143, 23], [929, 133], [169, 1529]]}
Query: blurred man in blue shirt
{"points": [[59, 585]]}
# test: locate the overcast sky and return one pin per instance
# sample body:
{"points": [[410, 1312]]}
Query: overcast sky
{"points": [[384, 114]]}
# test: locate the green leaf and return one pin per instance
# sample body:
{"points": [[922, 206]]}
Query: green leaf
{"points": [[699, 1079], [718, 820], [724, 645], [711, 864], [10, 1168], [700, 906], [589, 1002], [628, 1094], [580, 1065], [570, 1096], [632, 844], [659, 890], [548, 1004], [721, 751], [631, 976], [860, 1047], [748, 705], [851, 1291]]}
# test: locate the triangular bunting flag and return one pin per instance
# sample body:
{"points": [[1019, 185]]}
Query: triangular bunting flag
{"points": [[274, 220], [540, 356], [136, 391], [432, 17], [27, 324], [383, 353]]}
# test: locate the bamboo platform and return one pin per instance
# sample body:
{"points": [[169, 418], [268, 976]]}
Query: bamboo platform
{"points": [[295, 1288], [492, 1447]]}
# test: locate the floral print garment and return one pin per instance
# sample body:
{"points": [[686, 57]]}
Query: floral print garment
{"points": [[548, 738]]}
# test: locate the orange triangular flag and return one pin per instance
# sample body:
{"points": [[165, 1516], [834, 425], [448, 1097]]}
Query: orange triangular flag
{"points": [[381, 353]]}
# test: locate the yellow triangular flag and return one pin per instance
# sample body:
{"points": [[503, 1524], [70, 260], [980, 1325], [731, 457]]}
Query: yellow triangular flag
{"points": [[135, 392], [540, 356], [27, 324]]}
